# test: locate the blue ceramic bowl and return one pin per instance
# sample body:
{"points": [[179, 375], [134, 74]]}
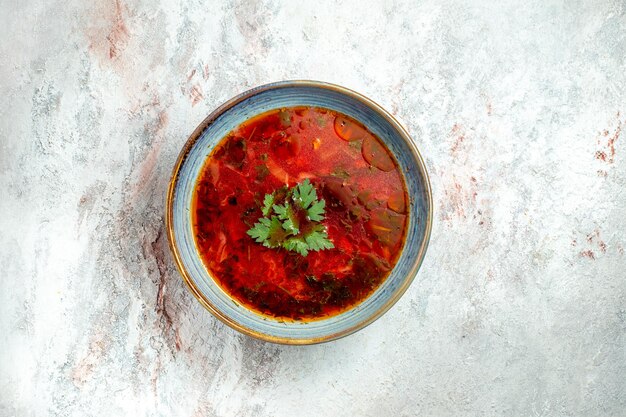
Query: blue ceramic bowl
{"points": [[226, 118]]}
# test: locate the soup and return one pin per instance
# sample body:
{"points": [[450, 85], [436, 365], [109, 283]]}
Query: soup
{"points": [[300, 213]]}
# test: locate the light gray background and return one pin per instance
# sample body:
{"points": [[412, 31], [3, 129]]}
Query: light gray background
{"points": [[517, 107]]}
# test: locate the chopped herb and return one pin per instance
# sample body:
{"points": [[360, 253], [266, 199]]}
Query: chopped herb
{"points": [[356, 145], [294, 224], [341, 173], [311, 279], [346, 224], [262, 171]]}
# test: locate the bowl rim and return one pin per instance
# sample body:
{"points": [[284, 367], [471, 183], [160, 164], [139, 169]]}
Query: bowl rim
{"points": [[195, 135]]}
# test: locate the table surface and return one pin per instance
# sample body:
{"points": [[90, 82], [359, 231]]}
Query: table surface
{"points": [[517, 107]]}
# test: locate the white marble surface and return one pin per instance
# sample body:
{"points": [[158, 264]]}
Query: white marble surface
{"points": [[518, 108]]}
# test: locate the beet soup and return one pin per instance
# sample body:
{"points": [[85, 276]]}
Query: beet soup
{"points": [[300, 213]]}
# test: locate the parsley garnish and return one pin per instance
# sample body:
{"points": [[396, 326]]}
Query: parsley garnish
{"points": [[268, 202], [292, 220]]}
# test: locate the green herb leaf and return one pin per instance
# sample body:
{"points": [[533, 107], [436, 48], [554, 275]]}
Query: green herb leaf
{"points": [[295, 244], [261, 230], [282, 211], [304, 194], [316, 211], [318, 240], [291, 220], [267, 231], [268, 202]]}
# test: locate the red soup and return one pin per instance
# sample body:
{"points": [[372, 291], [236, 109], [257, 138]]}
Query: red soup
{"points": [[300, 213]]}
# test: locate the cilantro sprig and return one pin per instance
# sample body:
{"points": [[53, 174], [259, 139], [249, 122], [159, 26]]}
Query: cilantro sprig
{"points": [[292, 220]]}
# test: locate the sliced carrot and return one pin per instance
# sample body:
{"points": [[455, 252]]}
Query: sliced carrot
{"points": [[376, 155], [397, 202], [348, 130]]}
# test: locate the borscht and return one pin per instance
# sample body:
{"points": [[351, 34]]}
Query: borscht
{"points": [[300, 213]]}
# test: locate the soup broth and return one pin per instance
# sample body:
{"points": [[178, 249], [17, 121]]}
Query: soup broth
{"points": [[300, 213]]}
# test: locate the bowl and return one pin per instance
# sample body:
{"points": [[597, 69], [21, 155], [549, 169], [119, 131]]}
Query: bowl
{"points": [[226, 118]]}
